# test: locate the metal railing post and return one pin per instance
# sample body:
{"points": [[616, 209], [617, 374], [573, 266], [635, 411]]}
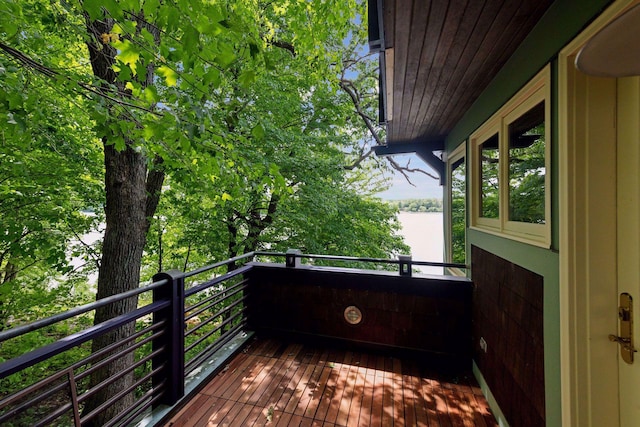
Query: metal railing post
{"points": [[292, 259], [405, 265], [173, 339]]}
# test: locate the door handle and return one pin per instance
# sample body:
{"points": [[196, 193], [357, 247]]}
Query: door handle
{"points": [[625, 322]]}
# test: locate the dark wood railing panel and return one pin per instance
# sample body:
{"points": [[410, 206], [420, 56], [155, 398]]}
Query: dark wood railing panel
{"points": [[188, 321], [424, 314]]}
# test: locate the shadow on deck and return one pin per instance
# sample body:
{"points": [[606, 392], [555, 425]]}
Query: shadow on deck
{"points": [[278, 383]]}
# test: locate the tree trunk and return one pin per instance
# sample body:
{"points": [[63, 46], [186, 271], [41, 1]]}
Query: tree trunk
{"points": [[132, 196], [124, 240]]}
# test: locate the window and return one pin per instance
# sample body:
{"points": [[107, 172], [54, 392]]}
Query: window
{"points": [[527, 169], [456, 219], [510, 163], [489, 160]]}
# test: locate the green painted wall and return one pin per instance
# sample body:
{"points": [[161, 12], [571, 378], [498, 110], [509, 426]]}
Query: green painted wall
{"points": [[562, 22]]}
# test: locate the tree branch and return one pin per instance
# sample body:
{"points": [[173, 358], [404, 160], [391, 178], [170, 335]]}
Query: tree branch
{"points": [[359, 160], [90, 250], [405, 170], [284, 45], [29, 63], [351, 89]]}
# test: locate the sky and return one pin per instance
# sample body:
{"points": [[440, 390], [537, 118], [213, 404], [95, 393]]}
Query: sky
{"points": [[425, 186]]}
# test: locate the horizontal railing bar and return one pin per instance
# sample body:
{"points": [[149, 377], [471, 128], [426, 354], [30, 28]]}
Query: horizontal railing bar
{"points": [[212, 297], [439, 264], [38, 398], [87, 394], [214, 330], [271, 254], [27, 391], [14, 365], [213, 304], [219, 264], [210, 283], [375, 260], [54, 415], [120, 394], [66, 384], [229, 307], [115, 345], [213, 347], [141, 406], [218, 314], [39, 324], [118, 355]]}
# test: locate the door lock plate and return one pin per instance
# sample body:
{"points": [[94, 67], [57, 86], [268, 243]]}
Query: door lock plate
{"points": [[625, 321]]}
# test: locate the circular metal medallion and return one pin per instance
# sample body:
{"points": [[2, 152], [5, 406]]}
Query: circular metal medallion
{"points": [[352, 315]]}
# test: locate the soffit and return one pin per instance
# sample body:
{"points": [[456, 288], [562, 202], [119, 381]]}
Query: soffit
{"points": [[445, 53]]}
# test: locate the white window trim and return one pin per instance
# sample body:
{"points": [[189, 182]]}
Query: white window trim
{"points": [[534, 92]]}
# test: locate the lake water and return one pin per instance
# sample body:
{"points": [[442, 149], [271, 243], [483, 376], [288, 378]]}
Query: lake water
{"points": [[423, 232]]}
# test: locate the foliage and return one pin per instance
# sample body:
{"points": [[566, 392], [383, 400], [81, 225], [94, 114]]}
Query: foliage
{"points": [[289, 187], [458, 213], [527, 180], [50, 171], [490, 194], [231, 117], [526, 174]]}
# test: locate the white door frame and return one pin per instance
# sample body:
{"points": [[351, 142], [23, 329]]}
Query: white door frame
{"points": [[588, 276]]}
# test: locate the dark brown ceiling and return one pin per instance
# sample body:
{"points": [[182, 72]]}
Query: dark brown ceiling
{"points": [[445, 54]]}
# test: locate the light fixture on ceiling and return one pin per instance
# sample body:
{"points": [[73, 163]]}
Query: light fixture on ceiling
{"points": [[615, 50]]}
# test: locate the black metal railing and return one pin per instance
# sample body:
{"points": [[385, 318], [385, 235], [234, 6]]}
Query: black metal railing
{"points": [[181, 320]]}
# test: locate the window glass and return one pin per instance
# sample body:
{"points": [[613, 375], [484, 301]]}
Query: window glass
{"points": [[489, 197], [458, 216], [527, 167]]}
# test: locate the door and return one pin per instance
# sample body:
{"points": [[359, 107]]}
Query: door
{"points": [[599, 236], [628, 236]]}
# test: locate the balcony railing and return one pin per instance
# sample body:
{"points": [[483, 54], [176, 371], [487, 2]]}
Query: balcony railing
{"points": [[184, 321]]}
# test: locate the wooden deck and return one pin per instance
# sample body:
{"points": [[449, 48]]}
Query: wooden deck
{"points": [[272, 383]]}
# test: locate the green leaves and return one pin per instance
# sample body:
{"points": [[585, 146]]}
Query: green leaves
{"points": [[93, 8], [170, 76], [252, 135], [258, 132], [247, 78]]}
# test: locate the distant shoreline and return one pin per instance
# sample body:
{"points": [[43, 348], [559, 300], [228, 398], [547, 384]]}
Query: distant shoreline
{"points": [[418, 205]]}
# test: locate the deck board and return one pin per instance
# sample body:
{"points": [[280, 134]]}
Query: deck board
{"points": [[272, 383]]}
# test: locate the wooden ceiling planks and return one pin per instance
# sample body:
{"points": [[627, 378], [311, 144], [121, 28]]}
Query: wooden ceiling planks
{"points": [[418, 25], [462, 77], [463, 19], [401, 38], [427, 71], [446, 53]]}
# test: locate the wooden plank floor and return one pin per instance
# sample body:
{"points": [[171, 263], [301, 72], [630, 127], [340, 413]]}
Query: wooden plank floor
{"points": [[272, 383]]}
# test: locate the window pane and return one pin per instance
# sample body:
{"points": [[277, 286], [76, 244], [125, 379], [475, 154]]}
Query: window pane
{"points": [[527, 167], [489, 156], [458, 217]]}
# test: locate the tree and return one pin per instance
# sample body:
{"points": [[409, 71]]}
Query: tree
{"points": [[164, 87], [294, 182], [458, 212], [50, 171], [527, 179]]}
